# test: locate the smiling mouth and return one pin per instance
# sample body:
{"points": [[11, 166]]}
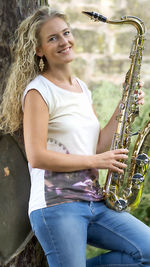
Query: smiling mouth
{"points": [[65, 51]]}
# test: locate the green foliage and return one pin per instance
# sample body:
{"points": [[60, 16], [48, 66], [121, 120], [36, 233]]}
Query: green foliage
{"points": [[105, 98], [93, 252]]}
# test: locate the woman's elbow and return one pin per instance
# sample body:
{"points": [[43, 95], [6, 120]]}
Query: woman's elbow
{"points": [[34, 164], [35, 160]]}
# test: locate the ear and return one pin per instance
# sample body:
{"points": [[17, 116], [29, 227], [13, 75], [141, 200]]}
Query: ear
{"points": [[39, 52]]}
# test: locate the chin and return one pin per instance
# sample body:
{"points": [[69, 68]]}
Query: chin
{"points": [[68, 60]]}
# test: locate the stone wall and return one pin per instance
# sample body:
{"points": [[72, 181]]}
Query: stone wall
{"points": [[102, 50]]}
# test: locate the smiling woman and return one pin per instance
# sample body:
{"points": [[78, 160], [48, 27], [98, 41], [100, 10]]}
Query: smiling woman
{"points": [[65, 147], [57, 43], [57, 48]]}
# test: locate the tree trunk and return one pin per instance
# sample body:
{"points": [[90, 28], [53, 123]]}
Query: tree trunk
{"points": [[18, 246]]}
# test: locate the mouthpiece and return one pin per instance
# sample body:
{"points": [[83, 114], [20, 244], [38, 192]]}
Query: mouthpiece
{"points": [[95, 16]]}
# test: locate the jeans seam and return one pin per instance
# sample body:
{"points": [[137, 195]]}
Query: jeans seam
{"points": [[51, 235], [140, 253]]}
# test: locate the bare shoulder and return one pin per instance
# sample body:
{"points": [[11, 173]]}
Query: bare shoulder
{"points": [[34, 99]]}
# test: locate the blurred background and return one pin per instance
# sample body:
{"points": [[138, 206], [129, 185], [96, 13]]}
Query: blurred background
{"points": [[102, 60]]}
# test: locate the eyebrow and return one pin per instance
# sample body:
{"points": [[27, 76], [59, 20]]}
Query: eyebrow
{"points": [[51, 35]]}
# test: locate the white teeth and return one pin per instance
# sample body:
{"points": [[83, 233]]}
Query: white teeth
{"points": [[65, 50]]}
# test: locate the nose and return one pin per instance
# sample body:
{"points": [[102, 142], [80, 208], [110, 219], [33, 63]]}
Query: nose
{"points": [[63, 40]]}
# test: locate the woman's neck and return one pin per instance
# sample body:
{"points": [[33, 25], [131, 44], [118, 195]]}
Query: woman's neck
{"points": [[60, 75]]}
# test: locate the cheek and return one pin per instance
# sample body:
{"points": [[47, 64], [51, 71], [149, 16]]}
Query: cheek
{"points": [[49, 49], [72, 40]]}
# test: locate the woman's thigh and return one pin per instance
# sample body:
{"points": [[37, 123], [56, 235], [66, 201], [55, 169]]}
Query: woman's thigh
{"points": [[119, 232], [62, 233]]}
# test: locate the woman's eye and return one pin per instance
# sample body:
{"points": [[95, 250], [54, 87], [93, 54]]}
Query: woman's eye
{"points": [[52, 39], [67, 33]]}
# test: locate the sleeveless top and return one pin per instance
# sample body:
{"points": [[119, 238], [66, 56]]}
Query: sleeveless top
{"points": [[72, 128]]}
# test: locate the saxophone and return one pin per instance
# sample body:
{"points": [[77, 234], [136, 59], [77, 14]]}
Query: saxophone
{"points": [[123, 191], [138, 170]]}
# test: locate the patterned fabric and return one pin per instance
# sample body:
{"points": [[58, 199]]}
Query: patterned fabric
{"points": [[66, 186]]}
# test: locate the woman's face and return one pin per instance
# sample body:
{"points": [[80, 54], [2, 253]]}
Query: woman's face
{"points": [[57, 42]]}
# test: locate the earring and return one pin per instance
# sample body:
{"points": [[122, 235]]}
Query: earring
{"points": [[41, 64]]}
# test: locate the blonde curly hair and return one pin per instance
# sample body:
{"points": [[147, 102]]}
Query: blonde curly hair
{"points": [[24, 67]]}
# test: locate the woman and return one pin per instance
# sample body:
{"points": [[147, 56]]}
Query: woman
{"points": [[65, 147]]}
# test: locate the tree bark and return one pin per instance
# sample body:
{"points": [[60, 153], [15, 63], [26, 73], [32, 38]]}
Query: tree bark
{"points": [[12, 12]]}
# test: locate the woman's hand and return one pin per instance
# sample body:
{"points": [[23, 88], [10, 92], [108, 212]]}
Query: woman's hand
{"points": [[111, 160], [140, 98], [141, 94]]}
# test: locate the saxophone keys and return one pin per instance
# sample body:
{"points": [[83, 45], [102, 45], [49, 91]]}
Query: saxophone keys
{"points": [[133, 134], [142, 159], [137, 180], [120, 204], [122, 105], [115, 203], [127, 192], [117, 178]]}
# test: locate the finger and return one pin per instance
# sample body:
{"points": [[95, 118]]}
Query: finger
{"points": [[138, 87], [141, 84], [141, 94], [140, 98], [116, 169], [121, 151], [121, 156], [140, 102], [120, 165]]}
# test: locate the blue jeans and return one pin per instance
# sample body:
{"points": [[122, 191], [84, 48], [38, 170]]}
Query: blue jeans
{"points": [[64, 230]]}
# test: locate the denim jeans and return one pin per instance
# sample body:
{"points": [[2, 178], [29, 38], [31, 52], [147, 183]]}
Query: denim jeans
{"points": [[64, 230]]}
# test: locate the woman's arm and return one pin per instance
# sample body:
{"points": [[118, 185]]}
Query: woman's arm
{"points": [[107, 133], [36, 118]]}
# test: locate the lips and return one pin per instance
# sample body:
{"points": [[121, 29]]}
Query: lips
{"points": [[65, 50]]}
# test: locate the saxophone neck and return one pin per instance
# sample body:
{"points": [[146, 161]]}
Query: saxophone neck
{"points": [[135, 21], [95, 16]]}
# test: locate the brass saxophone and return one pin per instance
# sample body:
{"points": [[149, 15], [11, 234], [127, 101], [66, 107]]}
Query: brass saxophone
{"points": [[138, 170], [123, 191]]}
